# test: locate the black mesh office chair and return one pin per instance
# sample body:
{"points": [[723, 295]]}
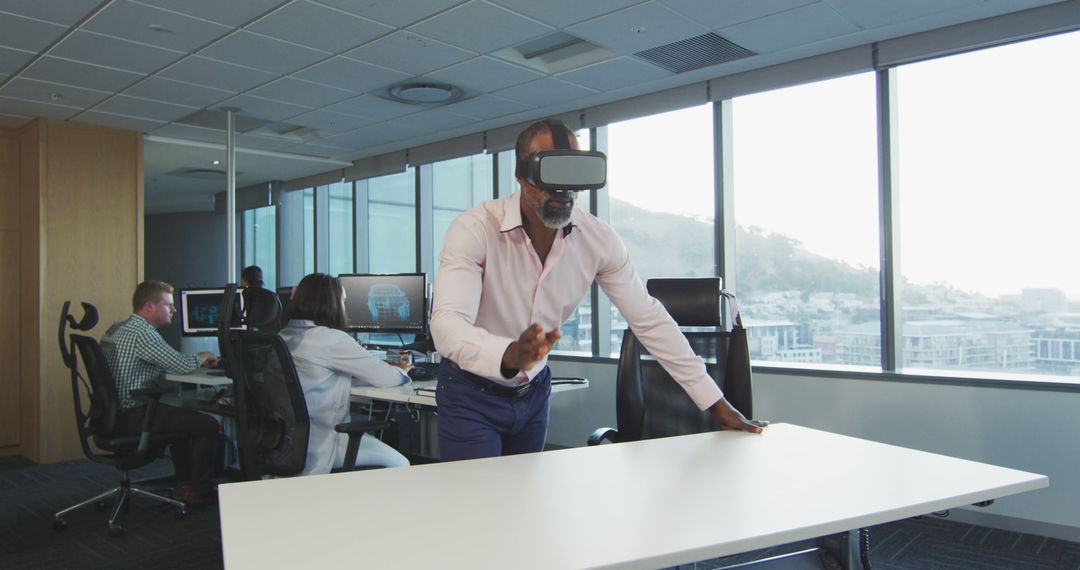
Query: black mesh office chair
{"points": [[97, 423], [271, 412], [648, 402]]}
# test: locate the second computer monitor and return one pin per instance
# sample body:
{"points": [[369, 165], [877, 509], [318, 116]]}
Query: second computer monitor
{"points": [[386, 302], [199, 309]]}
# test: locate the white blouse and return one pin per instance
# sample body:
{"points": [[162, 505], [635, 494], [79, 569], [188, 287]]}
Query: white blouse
{"points": [[327, 360]]}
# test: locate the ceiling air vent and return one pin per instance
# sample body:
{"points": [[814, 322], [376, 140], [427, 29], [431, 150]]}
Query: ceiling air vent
{"points": [[694, 53]]}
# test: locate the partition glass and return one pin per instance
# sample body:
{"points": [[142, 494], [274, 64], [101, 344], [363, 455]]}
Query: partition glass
{"points": [[392, 223], [806, 213], [259, 228], [339, 228], [988, 199]]}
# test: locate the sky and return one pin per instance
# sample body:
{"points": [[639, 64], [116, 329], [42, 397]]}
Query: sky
{"points": [[989, 190]]}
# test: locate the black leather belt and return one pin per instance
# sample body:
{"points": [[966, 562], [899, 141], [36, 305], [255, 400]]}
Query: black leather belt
{"points": [[485, 385]]}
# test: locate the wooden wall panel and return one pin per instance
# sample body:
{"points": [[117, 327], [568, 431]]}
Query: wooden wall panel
{"points": [[31, 159], [9, 289], [92, 205]]}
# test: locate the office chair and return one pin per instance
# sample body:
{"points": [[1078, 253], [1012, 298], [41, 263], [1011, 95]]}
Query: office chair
{"points": [[271, 412], [648, 402], [98, 423]]}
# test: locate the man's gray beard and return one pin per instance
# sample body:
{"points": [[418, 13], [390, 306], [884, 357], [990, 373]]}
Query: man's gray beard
{"points": [[556, 220]]}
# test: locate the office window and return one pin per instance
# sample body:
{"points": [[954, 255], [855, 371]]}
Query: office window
{"points": [[309, 230], [340, 240], [988, 202], [660, 187], [259, 228], [392, 223], [805, 200], [457, 185]]}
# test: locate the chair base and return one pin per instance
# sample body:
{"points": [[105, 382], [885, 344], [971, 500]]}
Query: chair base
{"points": [[121, 495]]}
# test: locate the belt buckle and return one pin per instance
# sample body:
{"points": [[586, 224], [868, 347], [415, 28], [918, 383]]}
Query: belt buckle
{"points": [[522, 390]]}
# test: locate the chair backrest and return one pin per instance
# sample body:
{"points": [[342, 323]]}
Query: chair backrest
{"points": [[104, 403], [649, 403], [271, 412]]}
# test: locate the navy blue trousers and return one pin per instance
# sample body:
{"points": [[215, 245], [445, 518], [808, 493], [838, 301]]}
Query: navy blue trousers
{"points": [[475, 423]]}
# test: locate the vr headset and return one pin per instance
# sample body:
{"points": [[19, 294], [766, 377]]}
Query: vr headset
{"points": [[563, 169]]}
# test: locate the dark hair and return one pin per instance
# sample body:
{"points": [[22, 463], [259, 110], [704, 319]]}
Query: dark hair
{"points": [[317, 298], [524, 140], [252, 276], [148, 291]]}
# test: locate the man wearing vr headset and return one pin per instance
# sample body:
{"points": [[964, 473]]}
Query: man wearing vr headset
{"points": [[511, 271]]}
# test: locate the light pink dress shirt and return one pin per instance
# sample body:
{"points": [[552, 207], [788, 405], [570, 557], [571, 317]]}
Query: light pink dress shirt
{"points": [[491, 286]]}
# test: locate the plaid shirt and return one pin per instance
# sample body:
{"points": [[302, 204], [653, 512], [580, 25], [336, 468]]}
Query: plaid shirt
{"points": [[138, 357]]}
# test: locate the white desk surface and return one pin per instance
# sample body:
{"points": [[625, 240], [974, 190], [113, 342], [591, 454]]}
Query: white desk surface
{"points": [[644, 504], [201, 378], [407, 393]]}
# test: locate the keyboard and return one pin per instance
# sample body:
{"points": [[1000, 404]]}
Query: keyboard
{"points": [[423, 371]]}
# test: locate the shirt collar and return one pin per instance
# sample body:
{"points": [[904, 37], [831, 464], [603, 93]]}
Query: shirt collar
{"points": [[511, 219]]}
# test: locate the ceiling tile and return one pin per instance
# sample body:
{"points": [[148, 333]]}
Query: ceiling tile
{"points": [[144, 108], [27, 34], [187, 132], [114, 52], [374, 108], [315, 149], [481, 27], [179, 92], [318, 26], [213, 73], [300, 92], [485, 74], [329, 120], [263, 108], [80, 74], [131, 21], [374, 135], [12, 59], [789, 29], [44, 92], [718, 15], [229, 13], [137, 124], [545, 91], [433, 120], [410, 52], [394, 12], [262, 52], [881, 13], [638, 28], [615, 74], [66, 13], [562, 13], [13, 121], [351, 75], [486, 107], [36, 109]]}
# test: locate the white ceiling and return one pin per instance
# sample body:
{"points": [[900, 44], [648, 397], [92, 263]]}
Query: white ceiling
{"points": [[327, 65]]}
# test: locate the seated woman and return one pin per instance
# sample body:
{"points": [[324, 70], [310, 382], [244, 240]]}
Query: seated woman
{"points": [[327, 360]]}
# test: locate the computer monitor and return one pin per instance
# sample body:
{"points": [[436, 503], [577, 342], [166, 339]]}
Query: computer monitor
{"points": [[386, 302], [199, 309]]}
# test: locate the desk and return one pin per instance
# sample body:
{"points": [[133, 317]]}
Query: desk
{"points": [[406, 394], [634, 505]]}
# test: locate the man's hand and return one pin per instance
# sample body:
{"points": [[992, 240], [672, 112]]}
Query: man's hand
{"points": [[731, 418], [208, 359], [531, 347]]}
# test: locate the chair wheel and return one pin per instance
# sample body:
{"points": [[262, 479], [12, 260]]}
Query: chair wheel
{"points": [[59, 524], [116, 530], [180, 512]]}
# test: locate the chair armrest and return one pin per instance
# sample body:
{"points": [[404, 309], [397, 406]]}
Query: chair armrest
{"points": [[352, 428], [356, 430], [556, 380], [153, 394], [604, 433]]}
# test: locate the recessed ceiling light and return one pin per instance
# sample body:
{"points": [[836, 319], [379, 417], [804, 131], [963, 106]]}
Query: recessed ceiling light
{"points": [[217, 162], [425, 93]]}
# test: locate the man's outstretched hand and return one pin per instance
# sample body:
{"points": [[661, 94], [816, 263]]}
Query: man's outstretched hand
{"points": [[730, 418], [531, 347]]}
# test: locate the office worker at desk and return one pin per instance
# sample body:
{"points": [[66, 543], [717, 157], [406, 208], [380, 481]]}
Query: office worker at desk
{"points": [[327, 360], [511, 271], [251, 276], [138, 357]]}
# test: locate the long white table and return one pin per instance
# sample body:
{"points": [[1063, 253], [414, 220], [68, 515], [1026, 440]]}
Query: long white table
{"points": [[644, 504], [421, 393]]}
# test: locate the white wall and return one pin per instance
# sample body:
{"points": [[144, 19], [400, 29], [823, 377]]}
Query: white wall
{"points": [[1035, 430]]}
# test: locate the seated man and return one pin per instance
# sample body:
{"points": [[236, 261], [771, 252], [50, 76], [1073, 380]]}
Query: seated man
{"points": [[138, 357]]}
